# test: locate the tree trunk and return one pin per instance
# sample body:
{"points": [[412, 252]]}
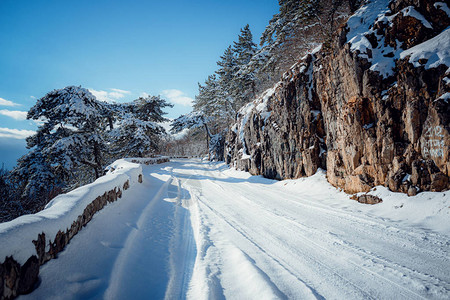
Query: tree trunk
{"points": [[98, 160], [208, 135], [111, 124]]}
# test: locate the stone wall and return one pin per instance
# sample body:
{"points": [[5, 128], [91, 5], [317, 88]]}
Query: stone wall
{"points": [[151, 161], [16, 280]]}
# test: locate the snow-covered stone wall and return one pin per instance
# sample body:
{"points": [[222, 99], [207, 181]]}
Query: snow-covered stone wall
{"points": [[31, 240]]}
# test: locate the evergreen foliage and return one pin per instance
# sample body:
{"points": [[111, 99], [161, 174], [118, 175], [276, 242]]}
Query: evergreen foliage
{"points": [[79, 135], [72, 133], [137, 132], [244, 70]]}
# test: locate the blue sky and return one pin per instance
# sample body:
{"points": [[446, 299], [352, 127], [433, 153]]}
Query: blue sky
{"points": [[118, 49]]}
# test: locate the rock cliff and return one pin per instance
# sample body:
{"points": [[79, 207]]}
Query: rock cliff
{"points": [[373, 109]]}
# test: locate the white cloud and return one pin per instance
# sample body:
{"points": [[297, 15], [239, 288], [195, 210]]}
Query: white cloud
{"points": [[100, 95], [5, 102], [32, 97], [177, 97], [120, 91], [143, 95], [15, 114], [15, 133], [112, 96]]}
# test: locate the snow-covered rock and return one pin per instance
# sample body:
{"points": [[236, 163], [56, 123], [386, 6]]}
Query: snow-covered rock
{"points": [[370, 110]]}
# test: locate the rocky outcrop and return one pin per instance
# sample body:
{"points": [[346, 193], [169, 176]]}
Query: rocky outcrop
{"points": [[279, 136], [369, 111]]}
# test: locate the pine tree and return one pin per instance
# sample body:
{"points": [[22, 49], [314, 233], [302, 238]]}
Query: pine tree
{"points": [[227, 68], [73, 140], [292, 13], [192, 120], [34, 179], [150, 108], [137, 132], [4, 186], [297, 28], [214, 102], [72, 133], [244, 47], [244, 80]]}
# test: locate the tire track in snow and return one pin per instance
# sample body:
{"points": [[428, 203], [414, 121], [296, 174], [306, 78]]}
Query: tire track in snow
{"points": [[119, 271], [433, 251], [216, 276], [410, 292], [304, 202], [352, 248], [302, 228], [379, 261], [308, 291], [182, 249], [389, 234]]}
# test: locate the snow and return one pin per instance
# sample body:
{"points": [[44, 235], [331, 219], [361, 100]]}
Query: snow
{"points": [[259, 105], [16, 236], [436, 51], [245, 111], [361, 25], [147, 160], [411, 12], [262, 101], [442, 6], [427, 210], [316, 49], [199, 230], [444, 97]]}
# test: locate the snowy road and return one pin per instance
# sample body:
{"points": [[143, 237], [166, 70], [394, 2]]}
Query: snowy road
{"points": [[201, 231]]}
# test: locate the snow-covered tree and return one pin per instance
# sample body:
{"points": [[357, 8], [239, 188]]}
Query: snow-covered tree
{"points": [[227, 66], [136, 132], [134, 137], [33, 181], [244, 80], [236, 82], [192, 120], [78, 136], [297, 28], [244, 48], [216, 103], [72, 134], [9, 207], [292, 13], [149, 108], [244, 70], [195, 120], [4, 190]]}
